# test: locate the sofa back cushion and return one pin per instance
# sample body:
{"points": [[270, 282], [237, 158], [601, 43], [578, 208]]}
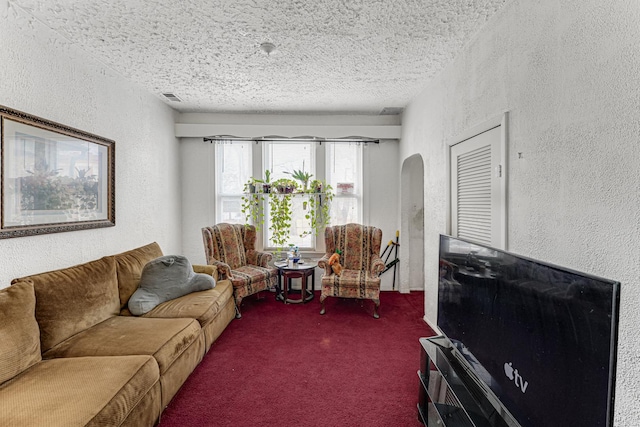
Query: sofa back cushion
{"points": [[73, 299], [129, 267], [19, 333]]}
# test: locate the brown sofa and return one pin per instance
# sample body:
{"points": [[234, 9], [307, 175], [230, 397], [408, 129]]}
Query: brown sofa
{"points": [[71, 354]]}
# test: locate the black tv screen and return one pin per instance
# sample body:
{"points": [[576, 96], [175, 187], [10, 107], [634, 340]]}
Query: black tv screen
{"points": [[542, 338]]}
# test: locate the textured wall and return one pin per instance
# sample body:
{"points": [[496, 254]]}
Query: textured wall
{"points": [[44, 75], [568, 73]]}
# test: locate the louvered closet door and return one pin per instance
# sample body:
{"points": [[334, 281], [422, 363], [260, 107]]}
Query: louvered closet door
{"points": [[475, 188]]}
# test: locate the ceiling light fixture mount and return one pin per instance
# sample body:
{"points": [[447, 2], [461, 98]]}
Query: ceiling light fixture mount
{"points": [[268, 48]]}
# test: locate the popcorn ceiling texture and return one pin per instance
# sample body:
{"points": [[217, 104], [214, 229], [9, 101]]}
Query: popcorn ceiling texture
{"points": [[352, 56], [567, 72]]}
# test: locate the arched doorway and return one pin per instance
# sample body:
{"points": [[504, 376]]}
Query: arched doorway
{"points": [[412, 224]]}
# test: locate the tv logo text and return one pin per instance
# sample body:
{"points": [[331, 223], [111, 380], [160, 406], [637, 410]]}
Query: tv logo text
{"points": [[514, 376]]}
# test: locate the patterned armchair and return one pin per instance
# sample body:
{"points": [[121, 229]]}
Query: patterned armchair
{"points": [[231, 247], [361, 264]]}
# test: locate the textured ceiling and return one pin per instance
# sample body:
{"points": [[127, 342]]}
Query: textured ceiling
{"points": [[333, 56]]}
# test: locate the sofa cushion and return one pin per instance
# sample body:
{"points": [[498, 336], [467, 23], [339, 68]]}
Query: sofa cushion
{"points": [[202, 306], [19, 333], [56, 392], [166, 278], [73, 299], [164, 339], [211, 270], [129, 266]]}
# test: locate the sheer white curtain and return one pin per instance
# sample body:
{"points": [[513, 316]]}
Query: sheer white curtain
{"points": [[344, 173], [233, 169]]}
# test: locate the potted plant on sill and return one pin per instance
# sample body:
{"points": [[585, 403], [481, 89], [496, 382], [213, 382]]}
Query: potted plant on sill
{"points": [[253, 185], [301, 176], [266, 184], [316, 204], [285, 186], [315, 186]]}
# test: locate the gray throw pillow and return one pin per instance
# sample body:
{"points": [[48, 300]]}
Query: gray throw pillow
{"points": [[166, 278]]}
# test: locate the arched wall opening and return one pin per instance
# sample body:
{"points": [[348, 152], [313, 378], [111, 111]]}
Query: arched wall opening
{"points": [[412, 224]]}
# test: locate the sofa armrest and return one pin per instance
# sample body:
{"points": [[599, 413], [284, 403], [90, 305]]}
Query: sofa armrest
{"points": [[261, 259], [324, 263], [223, 269], [377, 265], [211, 270]]}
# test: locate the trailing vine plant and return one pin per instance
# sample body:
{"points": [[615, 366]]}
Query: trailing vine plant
{"points": [[318, 207], [252, 207], [280, 224]]}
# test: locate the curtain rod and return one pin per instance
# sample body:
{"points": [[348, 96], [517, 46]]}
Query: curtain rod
{"points": [[212, 139]]}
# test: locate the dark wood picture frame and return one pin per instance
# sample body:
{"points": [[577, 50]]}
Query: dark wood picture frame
{"points": [[54, 178]]}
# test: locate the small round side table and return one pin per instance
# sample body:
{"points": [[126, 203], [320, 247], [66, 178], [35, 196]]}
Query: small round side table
{"points": [[301, 271]]}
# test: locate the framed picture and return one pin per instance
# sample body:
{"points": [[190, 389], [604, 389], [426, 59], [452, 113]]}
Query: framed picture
{"points": [[54, 178]]}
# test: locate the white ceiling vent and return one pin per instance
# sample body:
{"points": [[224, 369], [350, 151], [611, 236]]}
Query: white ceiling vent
{"points": [[172, 97], [391, 111]]}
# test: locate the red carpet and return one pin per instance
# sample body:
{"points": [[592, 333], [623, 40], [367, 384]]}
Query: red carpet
{"points": [[286, 365]]}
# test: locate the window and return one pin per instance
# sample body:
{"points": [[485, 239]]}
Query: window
{"points": [[344, 173], [281, 157], [337, 163], [233, 170]]}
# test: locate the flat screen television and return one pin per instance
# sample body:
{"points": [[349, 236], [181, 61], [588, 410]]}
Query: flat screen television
{"points": [[539, 338]]}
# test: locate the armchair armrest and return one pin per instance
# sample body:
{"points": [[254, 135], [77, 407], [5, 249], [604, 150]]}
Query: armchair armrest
{"points": [[261, 259], [223, 269], [377, 265], [211, 270], [324, 263]]}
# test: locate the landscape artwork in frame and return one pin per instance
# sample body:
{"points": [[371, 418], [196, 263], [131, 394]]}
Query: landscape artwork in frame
{"points": [[54, 178]]}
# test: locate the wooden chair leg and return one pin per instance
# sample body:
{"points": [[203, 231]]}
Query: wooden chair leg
{"points": [[322, 298], [375, 308]]}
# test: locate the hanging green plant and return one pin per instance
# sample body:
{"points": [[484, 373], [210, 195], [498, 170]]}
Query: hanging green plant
{"points": [[318, 208], [316, 204], [315, 186], [251, 206], [280, 221], [252, 210], [253, 185]]}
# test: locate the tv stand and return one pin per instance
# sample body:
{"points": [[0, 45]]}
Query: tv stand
{"points": [[448, 396]]}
